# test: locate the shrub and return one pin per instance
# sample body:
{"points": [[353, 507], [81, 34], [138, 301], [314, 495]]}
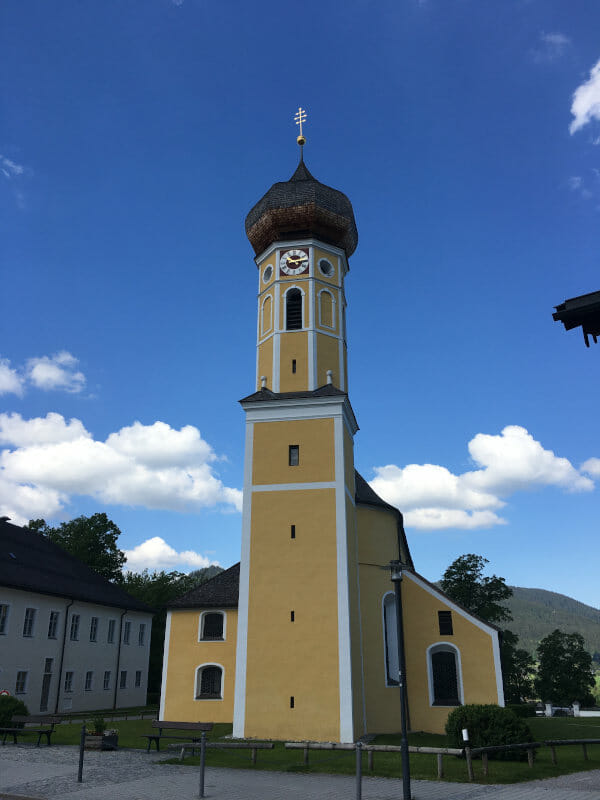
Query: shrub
{"points": [[522, 709], [9, 706], [489, 726], [96, 725]]}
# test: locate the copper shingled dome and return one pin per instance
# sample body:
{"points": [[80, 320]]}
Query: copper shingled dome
{"points": [[299, 208]]}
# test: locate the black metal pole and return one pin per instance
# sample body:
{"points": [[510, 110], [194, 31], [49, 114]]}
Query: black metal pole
{"points": [[202, 761], [358, 770], [404, 754], [81, 751]]}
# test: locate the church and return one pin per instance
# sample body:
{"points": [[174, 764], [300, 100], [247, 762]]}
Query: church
{"points": [[299, 640]]}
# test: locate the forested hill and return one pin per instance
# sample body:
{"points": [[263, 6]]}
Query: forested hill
{"points": [[537, 612]]}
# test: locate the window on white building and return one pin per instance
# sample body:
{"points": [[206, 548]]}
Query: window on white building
{"points": [[110, 638], [29, 622], [89, 677], [74, 634], [94, 629], [21, 682], [138, 678], [123, 679], [126, 633], [3, 618], [68, 681], [106, 684], [142, 634], [53, 624]]}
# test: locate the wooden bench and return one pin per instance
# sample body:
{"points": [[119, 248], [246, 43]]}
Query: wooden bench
{"points": [[33, 719], [182, 726], [252, 746]]}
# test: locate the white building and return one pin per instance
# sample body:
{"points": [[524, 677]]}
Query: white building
{"points": [[69, 639]]}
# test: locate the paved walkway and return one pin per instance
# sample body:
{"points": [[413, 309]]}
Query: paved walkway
{"points": [[51, 774]]}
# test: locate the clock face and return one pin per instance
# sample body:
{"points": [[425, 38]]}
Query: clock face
{"points": [[293, 262]]}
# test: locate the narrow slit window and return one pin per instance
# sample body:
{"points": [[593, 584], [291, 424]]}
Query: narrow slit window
{"points": [[293, 310], [291, 616], [292, 701], [293, 531], [294, 365], [294, 456], [445, 623]]}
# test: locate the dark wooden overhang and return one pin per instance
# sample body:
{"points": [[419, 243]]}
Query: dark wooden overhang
{"points": [[582, 311]]}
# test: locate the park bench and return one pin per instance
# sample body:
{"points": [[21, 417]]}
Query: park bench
{"points": [[182, 726], [252, 746], [23, 721]]}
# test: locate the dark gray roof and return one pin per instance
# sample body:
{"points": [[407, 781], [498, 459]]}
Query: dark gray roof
{"points": [[300, 208], [329, 390], [31, 562], [219, 592], [583, 310]]}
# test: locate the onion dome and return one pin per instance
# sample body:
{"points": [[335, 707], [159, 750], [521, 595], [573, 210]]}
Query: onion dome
{"points": [[300, 208]]}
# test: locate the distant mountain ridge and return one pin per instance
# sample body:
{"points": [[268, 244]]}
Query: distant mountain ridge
{"points": [[537, 612]]}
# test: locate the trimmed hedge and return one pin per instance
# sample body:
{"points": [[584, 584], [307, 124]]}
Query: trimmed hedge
{"points": [[8, 706], [522, 709], [488, 726]]}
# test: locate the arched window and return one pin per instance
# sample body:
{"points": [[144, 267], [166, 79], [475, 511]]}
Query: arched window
{"points": [[326, 309], [212, 626], [445, 681], [293, 310], [209, 682], [265, 318], [390, 633]]}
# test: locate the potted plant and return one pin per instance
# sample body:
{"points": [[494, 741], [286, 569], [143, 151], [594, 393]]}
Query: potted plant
{"points": [[98, 737]]}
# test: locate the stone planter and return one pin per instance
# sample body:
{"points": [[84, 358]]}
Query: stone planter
{"points": [[107, 741]]}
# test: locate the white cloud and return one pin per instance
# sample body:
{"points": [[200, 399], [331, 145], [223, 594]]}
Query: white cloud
{"points": [[586, 100], [56, 372], [431, 497], [592, 467], [156, 554], [550, 47], [153, 466], [9, 168], [11, 382]]}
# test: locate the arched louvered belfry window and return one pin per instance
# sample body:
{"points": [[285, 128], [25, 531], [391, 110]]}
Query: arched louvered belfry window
{"points": [[293, 310], [209, 682]]}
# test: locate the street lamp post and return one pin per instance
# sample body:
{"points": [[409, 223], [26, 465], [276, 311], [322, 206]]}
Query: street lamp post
{"points": [[396, 575]]}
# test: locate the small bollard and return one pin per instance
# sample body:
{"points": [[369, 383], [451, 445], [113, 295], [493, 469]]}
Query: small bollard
{"points": [[81, 752], [202, 762], [465, 735], [358, 770]]}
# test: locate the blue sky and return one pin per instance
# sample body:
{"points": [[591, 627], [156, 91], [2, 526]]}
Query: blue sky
{"points": [[135, 138]]}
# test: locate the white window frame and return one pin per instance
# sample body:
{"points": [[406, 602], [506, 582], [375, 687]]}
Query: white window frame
{"points": [[53, 628], [201, 624], [23, 689], [386, 643], [74, 628], [198, 681], [265, 330], [31, 619], [447, 647], [89, 679], [4, 617], [138, 679], [110, 633], [127, 632], [106, 680], [68, 682], [142, 634], [123, 679], [94, 625], [304, 307]]}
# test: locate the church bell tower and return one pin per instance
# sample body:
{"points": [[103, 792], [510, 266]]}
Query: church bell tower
{"points": [[298, 672]]}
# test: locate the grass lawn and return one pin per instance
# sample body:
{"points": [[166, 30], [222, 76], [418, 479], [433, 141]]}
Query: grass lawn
{"points": [[424, 767]]}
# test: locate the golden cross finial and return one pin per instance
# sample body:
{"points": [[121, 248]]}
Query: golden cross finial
{"points": [[299, 119]]}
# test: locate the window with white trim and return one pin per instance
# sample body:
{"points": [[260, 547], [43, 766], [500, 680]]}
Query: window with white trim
{"points": [[326, 309], [445, 684], [94, 629], [69, 681], [106, 681], [110, 636], [4, 618], [293, 310], [138, 678], [209, 682], [212, 626], [29, 622], [89, 677], [126, 632], [142, 634], [74, 634], [266, 315], [21, 682], [53, 624], [390, 633], [123, 679]]}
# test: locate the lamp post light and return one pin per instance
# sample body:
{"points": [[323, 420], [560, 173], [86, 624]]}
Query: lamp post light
{"points": [[396, 575]]}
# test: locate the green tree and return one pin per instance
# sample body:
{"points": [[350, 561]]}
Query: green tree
{"points": [[564, 670], [465, 583], [92, 540], [156, 589], [518, 668]]}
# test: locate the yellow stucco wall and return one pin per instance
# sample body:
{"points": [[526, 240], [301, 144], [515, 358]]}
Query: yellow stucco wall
{"points": [[299, 658], [318, 254], [377, 546], [321, 322], [185, 654], [328, 357], [293, 345], [265, 362], [271, 451]]}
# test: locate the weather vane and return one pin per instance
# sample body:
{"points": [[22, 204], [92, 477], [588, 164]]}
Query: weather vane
{"points": [[299, 119]]}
